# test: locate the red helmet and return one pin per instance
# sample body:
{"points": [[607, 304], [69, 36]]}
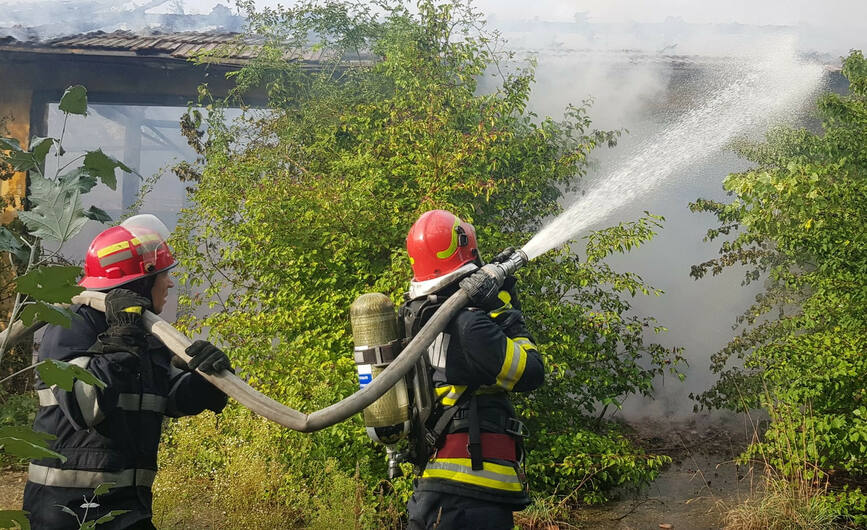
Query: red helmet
{"points": [[125, 253], [440, 243]]}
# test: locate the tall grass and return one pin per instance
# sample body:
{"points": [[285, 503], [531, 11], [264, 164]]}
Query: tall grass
{"points": [[793, 491], [240, 471]]}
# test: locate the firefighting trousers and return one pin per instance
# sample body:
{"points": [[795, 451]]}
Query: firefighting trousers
{"points": [[430, 509]]}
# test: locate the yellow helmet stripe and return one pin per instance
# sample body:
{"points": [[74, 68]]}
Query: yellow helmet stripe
{"points": [[105, 251], [453, 247]]}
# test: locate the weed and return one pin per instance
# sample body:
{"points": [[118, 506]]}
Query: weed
{"points": [[793, 492]]}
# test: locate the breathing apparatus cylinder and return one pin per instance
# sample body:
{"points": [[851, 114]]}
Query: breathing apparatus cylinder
{"points": [[377, 342]]}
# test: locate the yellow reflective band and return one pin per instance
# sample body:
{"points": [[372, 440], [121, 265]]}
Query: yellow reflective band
{"points": [[104, 251], [133, 309], [507, 362], [513, 365], [525, 343], [453, 247], [449, 394], [494, 476], [506, 298]]}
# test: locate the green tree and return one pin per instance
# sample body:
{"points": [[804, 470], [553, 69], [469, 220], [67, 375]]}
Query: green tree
{"points": [[798, 221], [301, 208]]}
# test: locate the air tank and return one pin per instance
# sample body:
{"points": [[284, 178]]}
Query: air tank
{"points": [[377, 342]]}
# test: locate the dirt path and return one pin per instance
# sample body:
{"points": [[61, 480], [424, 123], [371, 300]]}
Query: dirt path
{"points": [[694, 491], [12, 489]]}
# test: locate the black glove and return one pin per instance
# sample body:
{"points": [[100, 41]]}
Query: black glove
{"points": [[180, 364], [482, 289], [124, 307], [125, 333], [207, 358]]}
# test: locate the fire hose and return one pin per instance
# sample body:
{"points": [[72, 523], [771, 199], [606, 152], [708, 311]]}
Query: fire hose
{"points": [[238, 389]]}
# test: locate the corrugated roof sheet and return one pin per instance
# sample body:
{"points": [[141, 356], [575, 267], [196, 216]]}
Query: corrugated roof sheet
{"points": [[226, 48], [179, 45]]}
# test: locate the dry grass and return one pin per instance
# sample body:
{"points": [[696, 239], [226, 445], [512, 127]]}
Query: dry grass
{"points": [[796, 498], [783, 504]]}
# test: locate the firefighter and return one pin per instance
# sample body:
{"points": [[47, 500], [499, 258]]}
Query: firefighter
{"points": [[111, 435], [474, 478]]}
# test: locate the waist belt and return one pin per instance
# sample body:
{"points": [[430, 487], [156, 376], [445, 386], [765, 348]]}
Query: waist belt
{"points": [[494, 446], [498, 422], [79, 478]]}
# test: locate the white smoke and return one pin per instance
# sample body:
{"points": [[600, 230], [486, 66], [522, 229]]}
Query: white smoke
{"points": [[774, 85]]}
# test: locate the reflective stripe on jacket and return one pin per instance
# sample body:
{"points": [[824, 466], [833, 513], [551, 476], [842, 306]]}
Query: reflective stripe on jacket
{"points": [[110, 434], [495, 354]]}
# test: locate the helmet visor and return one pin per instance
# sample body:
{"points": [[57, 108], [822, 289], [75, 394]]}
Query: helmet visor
{"points": [[150, 236]]}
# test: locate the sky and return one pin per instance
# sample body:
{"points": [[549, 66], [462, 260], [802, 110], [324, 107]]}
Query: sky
{"points": [[833, 27], [848, 13]]}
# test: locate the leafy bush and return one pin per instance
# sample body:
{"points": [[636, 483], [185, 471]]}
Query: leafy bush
{"points": [[800, 219], [590, 463], [16, 409]]}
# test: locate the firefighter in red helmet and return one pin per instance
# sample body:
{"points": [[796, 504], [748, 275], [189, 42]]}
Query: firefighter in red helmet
{"points": [[112, 434], [474, 477]]}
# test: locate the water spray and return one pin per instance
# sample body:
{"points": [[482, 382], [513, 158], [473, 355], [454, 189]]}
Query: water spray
{"points": [[759, 93]]}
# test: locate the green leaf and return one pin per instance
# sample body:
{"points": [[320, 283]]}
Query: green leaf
{"points": [[56, 211], [10, 144], [102, 165], [74, 100], [80, 178], [26, 433], [110, 516], [97, 214], [51, 284], [21, 160], [39, 148], [64, 374], [24, 442], [10, 243], [104, 488], [9, 518], [41, 311]]}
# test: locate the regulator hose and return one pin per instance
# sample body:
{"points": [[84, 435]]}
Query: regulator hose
{"points": [[238, 389]]}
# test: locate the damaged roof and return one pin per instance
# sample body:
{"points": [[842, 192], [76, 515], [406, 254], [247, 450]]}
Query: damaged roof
{"points": [[212, 47], [178, 45]]}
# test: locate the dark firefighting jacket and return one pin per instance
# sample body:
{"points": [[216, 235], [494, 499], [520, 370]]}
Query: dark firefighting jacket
{"points": [[486, 356], [106, 435]]}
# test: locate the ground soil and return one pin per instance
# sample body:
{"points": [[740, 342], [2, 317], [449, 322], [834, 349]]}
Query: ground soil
{"points": [[695, 490], [11, 489]]}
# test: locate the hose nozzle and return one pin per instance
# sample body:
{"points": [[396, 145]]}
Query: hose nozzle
{"points": [[517, 260], [499, 271]]}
